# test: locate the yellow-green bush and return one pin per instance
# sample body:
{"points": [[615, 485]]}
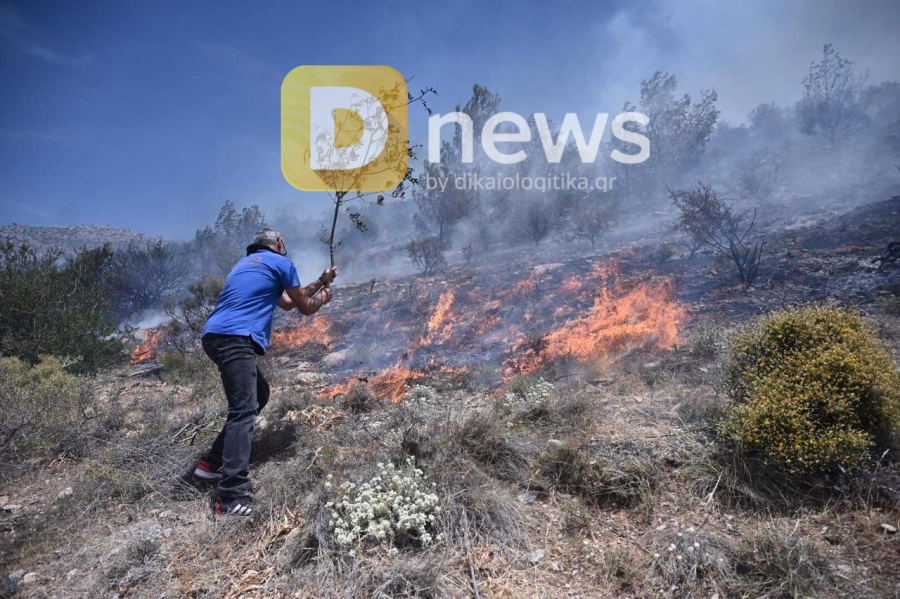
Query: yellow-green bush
{"points": [[42, 406], [813, 389]]}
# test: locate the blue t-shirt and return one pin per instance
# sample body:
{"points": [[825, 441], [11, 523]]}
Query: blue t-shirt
{"points": [[251, 292]]}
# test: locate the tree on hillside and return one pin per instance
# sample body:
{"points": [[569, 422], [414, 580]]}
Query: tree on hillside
{"points": [[441, 209], [219, 246], [832, 97], [144, 274], [757, 176], [590, 218], [533, 222], [678, 131]]}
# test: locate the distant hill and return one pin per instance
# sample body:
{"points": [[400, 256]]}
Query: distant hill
{"points": [[71, 237]]}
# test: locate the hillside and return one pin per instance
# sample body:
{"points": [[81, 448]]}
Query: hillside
{"points": [[560, 405], [71, 237]]}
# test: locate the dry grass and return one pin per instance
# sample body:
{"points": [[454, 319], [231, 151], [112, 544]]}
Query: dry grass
{"points": [[606, 476]]}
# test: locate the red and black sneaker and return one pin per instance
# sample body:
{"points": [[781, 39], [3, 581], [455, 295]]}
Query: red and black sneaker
{"points": [[204, 470], [235, 507]]}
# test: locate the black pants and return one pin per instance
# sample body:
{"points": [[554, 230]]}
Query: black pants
{"points": [[248, 392]]}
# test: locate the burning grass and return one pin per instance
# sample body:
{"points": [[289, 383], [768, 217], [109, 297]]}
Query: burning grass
{"points": [[148, 348], [617, 323], [440, 325], [312, 329]]}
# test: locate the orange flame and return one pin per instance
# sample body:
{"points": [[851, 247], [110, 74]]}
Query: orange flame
{"points": [[647, 315], [336, 390], [147, 349], [392, 382], [313, 329], [440, 325]]}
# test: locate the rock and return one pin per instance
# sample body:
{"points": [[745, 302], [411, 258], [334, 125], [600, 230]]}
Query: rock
{"points": [[288, 552], [526, 497], [166, 514], [12, 507], [541, 269], [30, 578], [71, 574], [555, 567], [554, 443], [537, 555], [67, 492], [889, 528], [308, 378], [4, 499], [166, 533], [17, 575], [335, 358]]}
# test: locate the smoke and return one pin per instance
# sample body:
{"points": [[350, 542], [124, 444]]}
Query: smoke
{"points": [[749, 52], [147, 319]]}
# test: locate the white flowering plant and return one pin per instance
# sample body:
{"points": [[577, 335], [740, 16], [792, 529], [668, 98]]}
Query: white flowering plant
{"points": [[526, 397], [390, 509]]}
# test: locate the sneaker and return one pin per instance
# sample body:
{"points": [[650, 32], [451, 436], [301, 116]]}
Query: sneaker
{"points": [[205, 471], [235, 507]]}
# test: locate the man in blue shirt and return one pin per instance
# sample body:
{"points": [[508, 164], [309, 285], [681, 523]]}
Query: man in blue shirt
{"points": [[238, 329]]}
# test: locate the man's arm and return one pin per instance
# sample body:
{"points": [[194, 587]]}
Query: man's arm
{"points": [[306, 304], [286, 303]]}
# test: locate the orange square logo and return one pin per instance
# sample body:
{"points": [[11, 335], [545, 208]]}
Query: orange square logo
{"points": [[344, 128]]}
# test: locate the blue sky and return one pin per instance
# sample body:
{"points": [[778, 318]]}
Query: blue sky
{"points": [[149, 115]]}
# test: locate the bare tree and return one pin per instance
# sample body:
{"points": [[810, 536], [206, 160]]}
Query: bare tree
{"points": [[710, 220], [832, 91]]}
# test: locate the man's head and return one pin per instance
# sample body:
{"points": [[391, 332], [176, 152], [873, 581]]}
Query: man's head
{"points": [[271, 239]]}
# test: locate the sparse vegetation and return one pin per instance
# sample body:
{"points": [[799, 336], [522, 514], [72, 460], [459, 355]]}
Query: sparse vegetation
{"points": [[604, 477]]}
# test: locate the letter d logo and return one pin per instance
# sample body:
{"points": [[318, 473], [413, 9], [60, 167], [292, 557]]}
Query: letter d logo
{"points": [[343, 128]]}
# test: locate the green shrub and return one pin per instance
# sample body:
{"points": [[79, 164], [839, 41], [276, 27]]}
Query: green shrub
{"points": [[42, 407], [57, 304], [813, 390]]}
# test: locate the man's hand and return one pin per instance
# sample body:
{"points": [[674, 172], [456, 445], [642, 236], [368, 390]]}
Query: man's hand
{"points": [[328, 276], [325, 296]]}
